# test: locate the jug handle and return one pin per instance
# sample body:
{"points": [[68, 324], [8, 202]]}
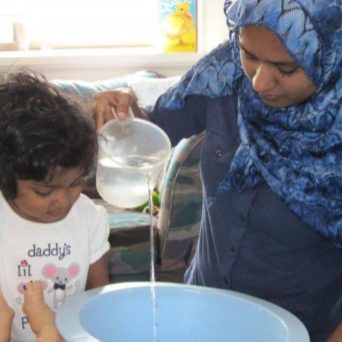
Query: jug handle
{"points": [[130, 115]]}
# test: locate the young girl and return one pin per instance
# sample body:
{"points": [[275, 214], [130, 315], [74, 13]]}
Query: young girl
{"points": [[49, 231]]}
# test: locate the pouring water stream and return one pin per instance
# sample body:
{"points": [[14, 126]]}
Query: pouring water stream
{"points": [[152, 269], [131, 156]]}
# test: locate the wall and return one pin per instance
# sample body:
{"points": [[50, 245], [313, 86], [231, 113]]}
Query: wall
{"points": [[102, 64], [215, 28]]}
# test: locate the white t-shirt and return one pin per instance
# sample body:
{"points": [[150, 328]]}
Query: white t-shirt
{"points": [[58, 254]]}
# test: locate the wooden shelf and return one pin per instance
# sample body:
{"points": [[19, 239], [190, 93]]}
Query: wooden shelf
{"points": [[9, 46]]}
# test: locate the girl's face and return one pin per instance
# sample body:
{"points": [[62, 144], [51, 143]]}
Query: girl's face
{"points": [[275, 76], [48, 201]]}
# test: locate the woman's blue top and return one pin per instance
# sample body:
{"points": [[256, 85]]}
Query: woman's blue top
{"points": [[250, 241]]}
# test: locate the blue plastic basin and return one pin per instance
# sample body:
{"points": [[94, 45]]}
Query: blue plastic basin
{"points": [[123, 313]]}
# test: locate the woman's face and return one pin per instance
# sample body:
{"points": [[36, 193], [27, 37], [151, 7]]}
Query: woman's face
{"points": [[275, 75]]}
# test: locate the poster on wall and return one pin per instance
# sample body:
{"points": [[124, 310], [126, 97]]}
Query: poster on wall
{"points": [[178, 25]]}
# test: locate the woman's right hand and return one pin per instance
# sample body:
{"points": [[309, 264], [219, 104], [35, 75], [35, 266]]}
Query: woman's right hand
{"points": [[114, 104]]}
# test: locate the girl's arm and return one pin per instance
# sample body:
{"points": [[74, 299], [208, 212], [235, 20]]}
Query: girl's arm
{"points": [[6, 317], [41, 317], [98, 273]]}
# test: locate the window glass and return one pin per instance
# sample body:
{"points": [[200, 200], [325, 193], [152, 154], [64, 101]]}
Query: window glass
{"points": [[84, 23]]}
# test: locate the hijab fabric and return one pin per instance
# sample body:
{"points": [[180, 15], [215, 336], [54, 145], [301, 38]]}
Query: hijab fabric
{"points": [[296, 150]]}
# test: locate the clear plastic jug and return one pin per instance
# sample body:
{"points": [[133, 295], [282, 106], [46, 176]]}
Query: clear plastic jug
{"points": [[131, 156]]}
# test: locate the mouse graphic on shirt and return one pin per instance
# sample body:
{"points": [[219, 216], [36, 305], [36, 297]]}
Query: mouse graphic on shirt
{"points": [[61, 278]]}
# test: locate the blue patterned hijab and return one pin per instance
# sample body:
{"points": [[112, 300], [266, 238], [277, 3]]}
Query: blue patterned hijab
{"points": [[297, 150]]}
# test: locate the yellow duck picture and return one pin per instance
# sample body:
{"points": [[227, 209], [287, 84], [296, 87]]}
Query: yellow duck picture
{"points": [[179, 32]]}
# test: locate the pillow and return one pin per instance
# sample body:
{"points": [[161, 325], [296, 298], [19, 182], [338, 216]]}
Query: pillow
{"points": [[147, 90], [84, 91]]}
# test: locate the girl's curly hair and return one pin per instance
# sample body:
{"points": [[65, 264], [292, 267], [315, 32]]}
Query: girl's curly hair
{"points": [[40, 130]]}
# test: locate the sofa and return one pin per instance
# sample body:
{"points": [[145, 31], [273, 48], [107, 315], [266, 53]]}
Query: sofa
{"points": [[177, 225]]}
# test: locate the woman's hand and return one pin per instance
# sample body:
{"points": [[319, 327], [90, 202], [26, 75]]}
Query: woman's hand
{"points": [[114, 104]]}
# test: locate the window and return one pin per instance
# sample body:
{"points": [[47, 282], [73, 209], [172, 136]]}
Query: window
{"points": [[128, 44], [79, 23]]}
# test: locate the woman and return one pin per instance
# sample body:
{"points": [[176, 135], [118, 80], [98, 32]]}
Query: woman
{"points": [[270, 101]]}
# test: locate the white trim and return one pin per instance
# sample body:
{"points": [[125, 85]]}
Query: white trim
{"points": [[98, 63]]}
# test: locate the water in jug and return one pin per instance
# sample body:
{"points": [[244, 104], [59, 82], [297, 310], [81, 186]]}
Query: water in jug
{"points": [[131, 156]]}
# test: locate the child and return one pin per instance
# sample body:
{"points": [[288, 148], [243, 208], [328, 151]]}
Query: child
{"points": [[49, 231]]}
